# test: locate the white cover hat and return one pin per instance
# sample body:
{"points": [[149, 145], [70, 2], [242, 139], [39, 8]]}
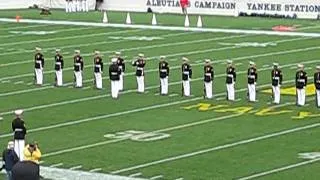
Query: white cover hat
{"points": [[300, 66], [207, 60], [251, 63], [38, 49], [276, 64], [141, 55], [185, 59], [77, 51], [114, 60], [229, 61], [18, 112], [118, 53]]}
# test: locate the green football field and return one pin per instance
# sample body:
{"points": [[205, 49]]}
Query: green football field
{"points": [[163, 137]]}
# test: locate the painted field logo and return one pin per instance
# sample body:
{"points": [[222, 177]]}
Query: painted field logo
{"points": [[309, 155], [249, 44], [266, 111], [141, 136], [33, 32], [310, 90], [136, 38]]}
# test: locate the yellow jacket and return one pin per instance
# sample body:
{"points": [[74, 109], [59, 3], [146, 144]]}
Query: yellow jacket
{"points": [[34, 156]]}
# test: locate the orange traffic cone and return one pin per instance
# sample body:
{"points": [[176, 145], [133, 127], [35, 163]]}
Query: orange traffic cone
{"points": [[18, 18]]}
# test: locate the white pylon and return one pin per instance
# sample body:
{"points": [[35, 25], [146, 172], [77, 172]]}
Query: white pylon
{"points": [[105, 17], [186, 21], [199, 23], [154, 19], [128, 20]]}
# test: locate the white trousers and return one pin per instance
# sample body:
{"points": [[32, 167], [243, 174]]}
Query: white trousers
{"points": [[114, 89], [208, 89], [69, 6], [164, 85], [121, 81], [252, 92], [301, 97], [78, 78], [186, 87], [84, 6], [230, 92], [276, 94], [98, 80], [19, 145], [318, 98], [59, 81], [39, 76], [75, 5], [140, 81]]}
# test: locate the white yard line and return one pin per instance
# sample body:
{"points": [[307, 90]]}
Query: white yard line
{"points": [[175, 67], [75, 167], [23, 27], [68, 37], [19, 82], [135, 174], [82, 46], [126, 49], [225, 146], [156, 177], [67, 174], [191, 53], [56, 165], [277, 170], [156, 131], [95, 170], [173, 28], [130, 91]]}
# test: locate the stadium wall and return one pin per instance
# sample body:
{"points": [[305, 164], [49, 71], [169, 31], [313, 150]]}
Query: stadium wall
{"points": [[305, 9], [22, 4]]}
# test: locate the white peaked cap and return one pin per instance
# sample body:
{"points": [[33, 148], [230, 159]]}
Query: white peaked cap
{"points": [[38, 49], [207, 60], [97, 52], [58, 50], [251, 63], [10, 144], [162, 57], [118, 53], [318, 67], [276, 64], [77, 51], [114, 60], [229, 61], [141, 55], [300, 65], [18, 112], [185, 59]]}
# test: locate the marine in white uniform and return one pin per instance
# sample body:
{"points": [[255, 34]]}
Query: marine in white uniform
{"points": [[78, 68], [276, 79], [20, 131], [208, 78], [122, 67], [114, 75], [186, 77], [230, 80], [38, 66], [59, 64], [252, 81], [164, 75], [98, 69], [301, 83], [140, 64]]}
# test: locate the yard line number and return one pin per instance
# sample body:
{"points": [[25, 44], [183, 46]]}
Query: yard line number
{"points": [[140, 136]]}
